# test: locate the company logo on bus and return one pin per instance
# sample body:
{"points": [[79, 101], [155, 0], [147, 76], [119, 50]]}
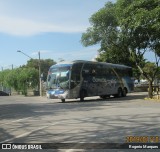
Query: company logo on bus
{"points": [[111, 83]]}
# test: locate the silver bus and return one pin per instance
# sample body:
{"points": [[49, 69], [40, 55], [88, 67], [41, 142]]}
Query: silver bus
{"points": [[80, 79]]}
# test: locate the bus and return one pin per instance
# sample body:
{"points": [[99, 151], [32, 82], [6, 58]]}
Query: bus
{"points": [[80, 79]]}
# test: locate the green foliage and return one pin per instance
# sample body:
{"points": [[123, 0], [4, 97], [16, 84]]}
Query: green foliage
{"points": [[3, 76], [139, 20], [12, 79], [105, 30], [27, 76], [151, 70], [45, 64], [126, 30], [104, 27], [20, 79]]}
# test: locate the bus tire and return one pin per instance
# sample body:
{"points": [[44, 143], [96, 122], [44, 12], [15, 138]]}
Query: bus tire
{"points": [[124, 93], [104, 96], [82, 95], [119, 93], [63, 100]]}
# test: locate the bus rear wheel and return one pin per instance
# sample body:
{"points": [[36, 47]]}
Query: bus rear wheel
{"points": [[104, 96], [119, 93], [82, 95], [124, 93]]}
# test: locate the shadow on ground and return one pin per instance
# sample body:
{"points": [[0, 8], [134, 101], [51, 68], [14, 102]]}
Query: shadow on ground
{"points": [[118, 126]]}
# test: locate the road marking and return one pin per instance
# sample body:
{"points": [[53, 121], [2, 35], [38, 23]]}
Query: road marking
{"points": [[30, 132], [73, 150], [15, 121]]}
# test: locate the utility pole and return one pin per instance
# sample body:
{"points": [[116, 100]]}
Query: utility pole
{"points": [[40, 81], [39, 65]]}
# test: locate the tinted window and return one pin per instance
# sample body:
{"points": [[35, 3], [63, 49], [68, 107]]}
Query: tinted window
{"points": [[76, 74]]}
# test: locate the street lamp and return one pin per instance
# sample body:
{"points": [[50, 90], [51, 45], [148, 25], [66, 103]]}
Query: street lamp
{"points": [[24, 54], [39, 65]]}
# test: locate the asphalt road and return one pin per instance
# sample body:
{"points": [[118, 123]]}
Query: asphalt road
{"points": [[41, 120]]}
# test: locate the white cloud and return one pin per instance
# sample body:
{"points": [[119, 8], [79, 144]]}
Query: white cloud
{"points": [[83, 54], [94, 58], [24, 27], [27, 18]]}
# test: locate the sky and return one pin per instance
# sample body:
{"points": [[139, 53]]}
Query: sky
{"points": [[51, 27]]}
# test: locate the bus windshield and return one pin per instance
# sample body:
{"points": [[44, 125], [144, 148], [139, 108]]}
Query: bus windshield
{"points": [[58, 77]]}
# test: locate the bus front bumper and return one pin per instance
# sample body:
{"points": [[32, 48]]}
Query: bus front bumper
{"points": [[57, 94]]}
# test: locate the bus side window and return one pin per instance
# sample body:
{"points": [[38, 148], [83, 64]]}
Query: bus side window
{"points": [[119, 72], [107, 72], [88, 70]]}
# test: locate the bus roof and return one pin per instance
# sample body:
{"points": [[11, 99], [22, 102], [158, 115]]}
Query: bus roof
{"points": [[67, 63]]}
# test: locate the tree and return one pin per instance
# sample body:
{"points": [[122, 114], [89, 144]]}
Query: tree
{"points": [[139, 21], [105, 31], [45, 64], [12, 79], [126, 30], [27, 77], [3, 75], [20, 79]]}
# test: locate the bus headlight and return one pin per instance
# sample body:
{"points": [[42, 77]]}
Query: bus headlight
{"points": [[53, 92]]}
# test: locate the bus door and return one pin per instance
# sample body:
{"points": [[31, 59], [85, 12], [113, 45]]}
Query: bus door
{"points": [[75, 82]]}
